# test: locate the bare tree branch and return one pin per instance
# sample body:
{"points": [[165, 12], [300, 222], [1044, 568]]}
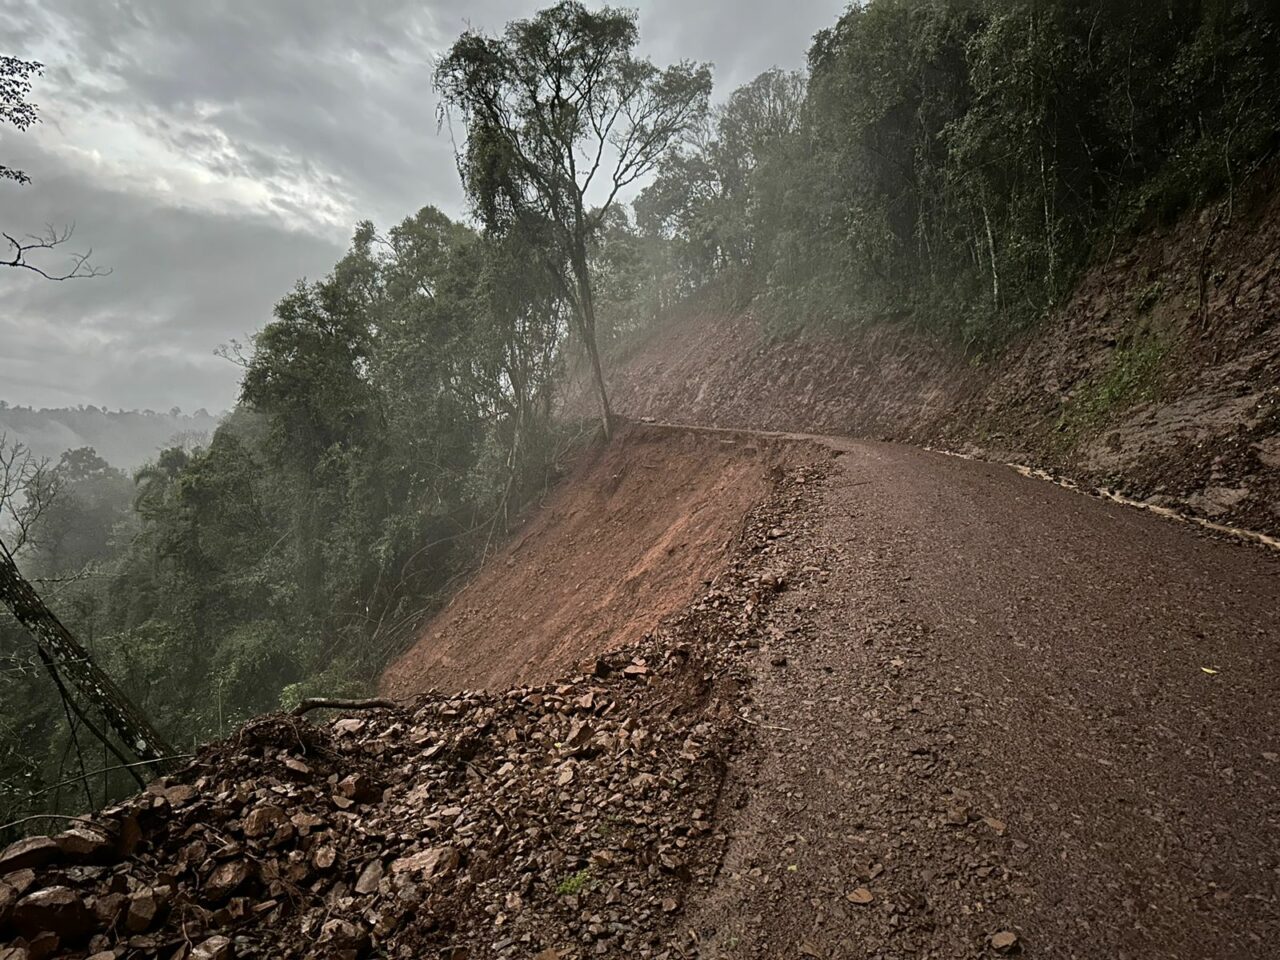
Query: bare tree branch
{"points": [[233, 351], [326, 703], [28, 487], [80, 266]]}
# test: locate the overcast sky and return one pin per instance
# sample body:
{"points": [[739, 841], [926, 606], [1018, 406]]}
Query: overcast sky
{"points": [[211, 153]]}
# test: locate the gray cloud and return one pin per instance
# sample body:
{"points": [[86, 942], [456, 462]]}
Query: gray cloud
{"points": [[213, 153]]}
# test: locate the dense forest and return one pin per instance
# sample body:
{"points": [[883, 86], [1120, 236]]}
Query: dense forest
{"points": [[954, 165], [950, 165]]}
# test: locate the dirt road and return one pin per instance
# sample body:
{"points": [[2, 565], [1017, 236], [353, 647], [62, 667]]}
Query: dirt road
{"points": [[1001, 717]]}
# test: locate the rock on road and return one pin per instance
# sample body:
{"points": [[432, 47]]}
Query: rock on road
{"points": [[1005, 718]]}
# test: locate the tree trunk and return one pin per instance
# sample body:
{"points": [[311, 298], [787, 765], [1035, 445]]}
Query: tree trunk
{"points": [[63, 650], [991, 249], [606, 415], [587, 307]]}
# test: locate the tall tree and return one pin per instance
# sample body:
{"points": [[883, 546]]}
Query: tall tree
{"points": [[710, 198], [562, 117]]}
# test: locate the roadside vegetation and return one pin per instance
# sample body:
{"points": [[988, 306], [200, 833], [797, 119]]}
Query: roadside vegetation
{"points": [[955, 165]]}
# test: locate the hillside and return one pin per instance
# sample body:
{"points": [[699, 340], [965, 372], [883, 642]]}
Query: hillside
{"points": [[734, 693], [1135, 383], [864, 716], [903, 585], [638, 529], [126, 439], [576, 807]]}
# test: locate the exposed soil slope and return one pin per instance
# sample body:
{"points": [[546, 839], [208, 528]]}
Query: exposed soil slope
{"points": [[626, 540], [1160, 377]]}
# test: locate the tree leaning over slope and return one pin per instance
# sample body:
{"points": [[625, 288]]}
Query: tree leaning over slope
{"points": [[28, 491], [60, 652], [559, 111]]}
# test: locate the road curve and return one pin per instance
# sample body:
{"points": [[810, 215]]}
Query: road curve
{"points": [[1003, 717]]}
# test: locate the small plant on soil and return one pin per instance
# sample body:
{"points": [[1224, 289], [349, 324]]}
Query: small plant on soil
{"points": [[575, 883], [1148, 296], [1133, 376]]}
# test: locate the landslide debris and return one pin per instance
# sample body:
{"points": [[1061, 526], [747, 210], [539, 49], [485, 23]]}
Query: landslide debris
{"points": [[566, 820], [626, 540]]}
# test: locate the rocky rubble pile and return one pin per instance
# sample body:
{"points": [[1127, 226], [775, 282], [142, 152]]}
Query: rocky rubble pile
{"points": [[562, 821], [439, 828]]}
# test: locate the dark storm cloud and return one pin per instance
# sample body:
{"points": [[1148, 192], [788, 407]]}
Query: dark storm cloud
{"points": [[212, 153], [183, 281]]}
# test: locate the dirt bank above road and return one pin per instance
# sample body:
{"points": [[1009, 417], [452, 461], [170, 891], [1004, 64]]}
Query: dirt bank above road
{"points": [[1159, 377]]}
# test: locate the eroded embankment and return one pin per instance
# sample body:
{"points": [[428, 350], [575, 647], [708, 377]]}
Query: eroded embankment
{"points": [[629, 538]]}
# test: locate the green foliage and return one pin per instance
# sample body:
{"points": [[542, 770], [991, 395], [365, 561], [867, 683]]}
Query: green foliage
{"points": [[955, 164], [575, 883], [393, 418], [561, 117], [15, 108], [1132, 376], [1148, 297], [712, 201], [88, 516]]}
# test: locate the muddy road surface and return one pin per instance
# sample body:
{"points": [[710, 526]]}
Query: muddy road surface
{"points": [[997, 717]]}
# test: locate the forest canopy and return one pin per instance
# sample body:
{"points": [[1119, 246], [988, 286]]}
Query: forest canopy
{"points": [[954, 164]]}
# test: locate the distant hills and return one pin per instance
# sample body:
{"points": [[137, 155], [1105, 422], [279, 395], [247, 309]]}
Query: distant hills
{"points": [[124, 438]]}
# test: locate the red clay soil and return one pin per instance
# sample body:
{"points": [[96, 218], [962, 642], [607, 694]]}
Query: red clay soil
{"points": [[625, 541]]}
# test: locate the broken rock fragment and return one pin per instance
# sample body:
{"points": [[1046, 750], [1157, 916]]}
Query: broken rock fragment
{"points": [[341, 940], [323, 857], [79, 845], [28, 853], [1006, 941], [144, 906], [57, 909], [429, 864], [369, 877], [215, 948], [107, 909], [226, 879], [263, 820], [360, 788]]}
